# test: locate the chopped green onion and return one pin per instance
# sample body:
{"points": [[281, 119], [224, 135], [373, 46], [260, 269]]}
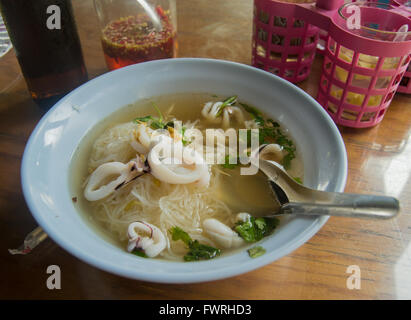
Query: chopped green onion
{"points": [[154, 123], [158, 111], [157, 124], [143, 119], [255, 113], [227, 102]]}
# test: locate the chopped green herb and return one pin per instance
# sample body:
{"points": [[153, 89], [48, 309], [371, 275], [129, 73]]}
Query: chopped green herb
{"points": [[227, 102], [179, 234], [298, 180], [184, 139], [273, 123], [286, 162], [251, 132], [200, 251], [256, 252], [259, 121], [254, 229], [157, 124], [139, 253], [143, 119], [197, 250], [251, 110], [158, 111], [154, 123], [258, 118], [227, 164], [270, 130]]}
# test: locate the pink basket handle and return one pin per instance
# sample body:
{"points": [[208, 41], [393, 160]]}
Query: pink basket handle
{"points": [[328, 19], [320, 15]]}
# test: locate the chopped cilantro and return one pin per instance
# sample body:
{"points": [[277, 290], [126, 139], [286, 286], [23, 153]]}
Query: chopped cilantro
{"points": [[227, 164], [273, 123], [256, 252], [254, 229], [298, 180], [197, 250], [139, 253], [200, 251], [179, 234], [269, 132], [251, 132]]}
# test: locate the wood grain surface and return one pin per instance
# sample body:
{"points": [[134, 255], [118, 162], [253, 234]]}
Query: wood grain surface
{"points": [[379, 162]]}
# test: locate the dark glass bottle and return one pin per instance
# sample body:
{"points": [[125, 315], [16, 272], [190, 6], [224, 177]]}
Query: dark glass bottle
{"points": [[47, 46]]}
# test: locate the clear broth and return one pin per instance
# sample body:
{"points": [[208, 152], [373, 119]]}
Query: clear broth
{"points": [[240, 193]]}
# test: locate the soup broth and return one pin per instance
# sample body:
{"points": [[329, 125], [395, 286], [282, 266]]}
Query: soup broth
{"points": [[160, 204]]}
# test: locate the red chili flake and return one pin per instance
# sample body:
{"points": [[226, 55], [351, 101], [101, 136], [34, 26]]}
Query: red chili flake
{"points": [[161, 13], [134, 39]]}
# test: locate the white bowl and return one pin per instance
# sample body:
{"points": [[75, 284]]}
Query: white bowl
{"points": [[47, 157]]}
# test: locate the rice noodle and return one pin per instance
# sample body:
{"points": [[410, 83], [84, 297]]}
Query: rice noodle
{"points": [[146, 198], [166, 205], [113, 145]]}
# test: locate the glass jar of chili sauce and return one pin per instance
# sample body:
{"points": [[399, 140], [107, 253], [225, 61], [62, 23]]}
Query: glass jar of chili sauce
{"points": [[135, 31]]}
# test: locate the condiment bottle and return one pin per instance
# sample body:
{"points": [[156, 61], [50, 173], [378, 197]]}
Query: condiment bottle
{"points": [[135, 31], [47, 46]]}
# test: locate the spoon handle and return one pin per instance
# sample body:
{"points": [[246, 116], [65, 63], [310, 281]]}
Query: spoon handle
{"points": [[347, 205]]}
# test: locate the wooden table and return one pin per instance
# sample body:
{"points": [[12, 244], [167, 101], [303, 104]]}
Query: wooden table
{"points": [[379, 162]]}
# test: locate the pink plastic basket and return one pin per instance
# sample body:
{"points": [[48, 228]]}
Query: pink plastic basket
{"points": [[405, 6], [282, 44], [323, 34], [362, 68], [322, 40], [361, 72], [405, 84]]}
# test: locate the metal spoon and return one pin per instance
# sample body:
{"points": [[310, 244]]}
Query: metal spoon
{"points": [[32, 240], [294, 198]]}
